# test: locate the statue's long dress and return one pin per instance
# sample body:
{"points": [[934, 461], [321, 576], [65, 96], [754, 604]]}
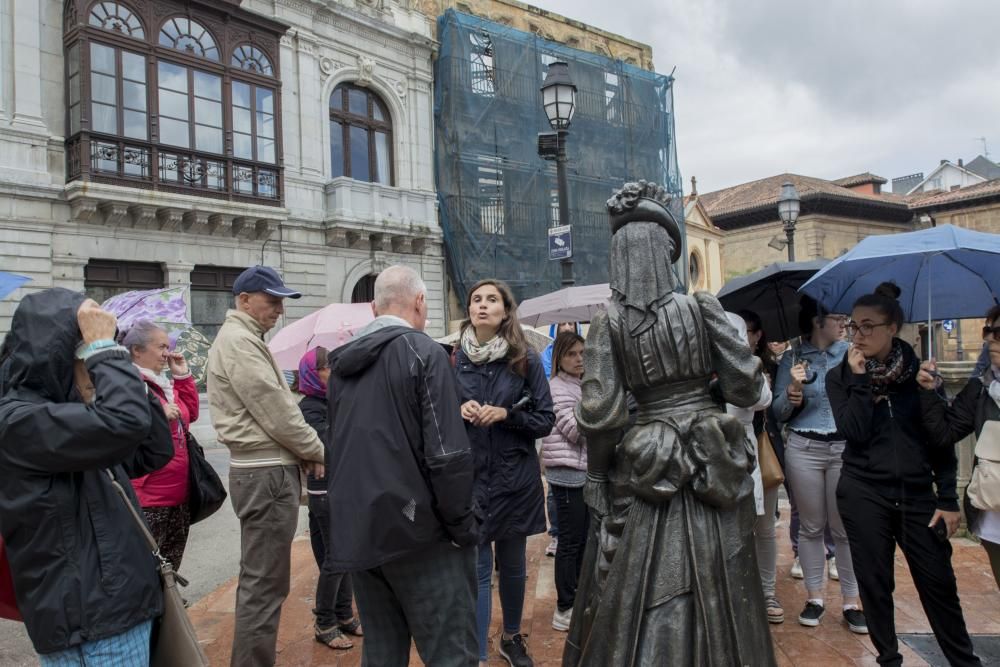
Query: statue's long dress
{"points": [[671, 578]]}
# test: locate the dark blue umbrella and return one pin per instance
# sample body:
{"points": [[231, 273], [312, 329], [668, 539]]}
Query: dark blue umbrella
{"points": [[10, 282], [944, 272]]}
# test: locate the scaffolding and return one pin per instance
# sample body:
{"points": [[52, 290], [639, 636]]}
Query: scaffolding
{"points": [[497, 197]]}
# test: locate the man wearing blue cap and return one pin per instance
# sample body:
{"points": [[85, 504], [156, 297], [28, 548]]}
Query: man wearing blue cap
{"points": [[255, 415]]}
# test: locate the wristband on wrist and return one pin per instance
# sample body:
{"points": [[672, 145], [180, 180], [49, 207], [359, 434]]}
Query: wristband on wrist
{"points": [[85, 351]]}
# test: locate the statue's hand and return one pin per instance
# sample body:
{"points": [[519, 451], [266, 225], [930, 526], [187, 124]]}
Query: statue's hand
{"points": [[597, 494]]}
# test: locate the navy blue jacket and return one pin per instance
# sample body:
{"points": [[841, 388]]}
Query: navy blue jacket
{"points": [[508, 485]]}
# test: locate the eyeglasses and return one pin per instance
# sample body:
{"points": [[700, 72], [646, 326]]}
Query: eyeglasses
{"points": [[866, 329], [991, 332]]}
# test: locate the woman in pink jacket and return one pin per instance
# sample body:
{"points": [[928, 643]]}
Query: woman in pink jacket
{"points": [[163, 494], [564, 454]]}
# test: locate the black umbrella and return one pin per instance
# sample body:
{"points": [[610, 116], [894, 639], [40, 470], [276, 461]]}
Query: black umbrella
{"points": [[771, 292]]}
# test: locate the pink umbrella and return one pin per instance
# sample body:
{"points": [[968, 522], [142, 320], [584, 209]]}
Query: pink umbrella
{"points": [[328, 327]]}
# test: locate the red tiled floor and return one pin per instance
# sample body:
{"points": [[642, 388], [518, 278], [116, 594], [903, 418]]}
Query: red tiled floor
{"points": [[829, 644]]}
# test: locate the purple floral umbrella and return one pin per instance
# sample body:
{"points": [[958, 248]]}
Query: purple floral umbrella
{"points": [[166, 307]]}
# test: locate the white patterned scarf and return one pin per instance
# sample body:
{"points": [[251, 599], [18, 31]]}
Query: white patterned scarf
{"points": [[492, 350], [160, 380]]}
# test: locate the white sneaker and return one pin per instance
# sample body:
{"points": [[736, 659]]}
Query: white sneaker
{"points": [[551, 549], [562, 619], [831, 564], [796, 569]]}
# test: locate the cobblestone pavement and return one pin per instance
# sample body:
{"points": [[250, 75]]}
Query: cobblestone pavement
{"points": [[829, 644]]}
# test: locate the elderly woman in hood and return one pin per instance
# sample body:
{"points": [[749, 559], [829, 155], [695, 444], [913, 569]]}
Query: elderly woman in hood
{"points": [[74, 413]]}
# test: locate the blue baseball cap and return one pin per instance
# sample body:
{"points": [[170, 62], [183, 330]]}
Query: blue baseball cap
{"points": [[263, 279]]}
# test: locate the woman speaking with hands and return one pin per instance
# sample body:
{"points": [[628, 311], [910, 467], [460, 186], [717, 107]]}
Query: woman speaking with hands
{"points": [[813, 458], [506, 406], [897, 486]]}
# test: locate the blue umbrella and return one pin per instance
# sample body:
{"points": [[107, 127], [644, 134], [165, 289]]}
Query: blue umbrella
{"points": [[10, 282], [944, 272]]}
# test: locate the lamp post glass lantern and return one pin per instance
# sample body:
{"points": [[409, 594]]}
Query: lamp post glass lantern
{"points": [[788, 210], [559, 103]]}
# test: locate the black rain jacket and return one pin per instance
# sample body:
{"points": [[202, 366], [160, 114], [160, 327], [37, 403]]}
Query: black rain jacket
{"points": [[400, 470], [508, 474], [887, 446], [314, 410], [82, 570], [968, 412]]}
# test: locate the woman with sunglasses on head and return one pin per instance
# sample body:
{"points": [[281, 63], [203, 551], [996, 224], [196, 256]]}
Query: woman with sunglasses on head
{"points": [[976, 409], [886, 493], [813, 459]]}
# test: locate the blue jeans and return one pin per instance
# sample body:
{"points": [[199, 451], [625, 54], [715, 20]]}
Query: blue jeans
{"points": [[127, 649], [511, 557]]}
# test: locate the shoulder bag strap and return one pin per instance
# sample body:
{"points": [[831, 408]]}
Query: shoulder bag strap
{"points": [[140, 523]]}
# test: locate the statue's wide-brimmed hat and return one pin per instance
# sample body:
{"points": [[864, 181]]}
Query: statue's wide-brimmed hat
{"points": [[645, 202]]}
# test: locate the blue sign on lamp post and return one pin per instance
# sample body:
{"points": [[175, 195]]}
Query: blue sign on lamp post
{"points": [[560, 242]]}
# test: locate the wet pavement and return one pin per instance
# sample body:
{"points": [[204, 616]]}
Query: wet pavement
{"points": [[829, 644]]}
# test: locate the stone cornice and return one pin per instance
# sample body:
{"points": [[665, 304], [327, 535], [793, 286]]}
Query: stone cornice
{"points": [[344, 19], [130, 208]]}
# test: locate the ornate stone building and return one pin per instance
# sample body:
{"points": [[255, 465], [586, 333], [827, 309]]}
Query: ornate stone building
{"points": [[176, 142]]}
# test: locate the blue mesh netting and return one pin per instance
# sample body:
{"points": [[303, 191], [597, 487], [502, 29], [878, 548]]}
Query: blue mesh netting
{"points": [[497, 196]]}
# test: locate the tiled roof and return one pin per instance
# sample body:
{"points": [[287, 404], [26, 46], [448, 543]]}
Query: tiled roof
{"points": [[977, 191], [859, 179], [763, 193]]}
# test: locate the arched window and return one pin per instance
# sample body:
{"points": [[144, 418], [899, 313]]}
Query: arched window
{"points": [[364, 290], [360, 135], [252, 59], [117, 17], [189, 36]]}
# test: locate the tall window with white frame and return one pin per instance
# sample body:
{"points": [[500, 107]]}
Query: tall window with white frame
{"points": [[360, 135], [173, 100]]}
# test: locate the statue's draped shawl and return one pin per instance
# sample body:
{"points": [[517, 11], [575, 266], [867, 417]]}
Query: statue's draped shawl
{"points": [[641, 272]]}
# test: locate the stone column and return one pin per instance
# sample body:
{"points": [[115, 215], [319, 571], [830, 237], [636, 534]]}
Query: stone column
{"points": [[311, 108], [27, 63], [955, 375], [67, 271], [178, 274]]}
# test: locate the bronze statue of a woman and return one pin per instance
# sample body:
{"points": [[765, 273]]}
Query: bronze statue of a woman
{"points": [[670, 575]]}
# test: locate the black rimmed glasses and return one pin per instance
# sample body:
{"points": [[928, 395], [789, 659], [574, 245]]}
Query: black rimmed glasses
{"points": [[866, 328], [991, 333]]}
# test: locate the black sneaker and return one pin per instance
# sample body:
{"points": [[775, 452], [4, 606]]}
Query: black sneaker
{"points": [[811, 615], [515, 652], [856, 621]]}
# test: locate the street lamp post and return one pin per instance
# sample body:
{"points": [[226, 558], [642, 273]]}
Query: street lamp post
{"points": [[788, 209], [559, 102]]}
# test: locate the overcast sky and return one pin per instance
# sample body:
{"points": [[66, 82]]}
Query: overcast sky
{"points": [[818, 88]]}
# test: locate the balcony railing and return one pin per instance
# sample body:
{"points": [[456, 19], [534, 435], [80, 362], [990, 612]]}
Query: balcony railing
{"points": [[145, 165]]}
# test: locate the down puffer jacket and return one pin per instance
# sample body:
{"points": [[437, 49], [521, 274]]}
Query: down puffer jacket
{"points": [[565, 446]]}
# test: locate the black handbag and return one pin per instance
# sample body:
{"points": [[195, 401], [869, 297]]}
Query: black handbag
{"points": [[205, 490]]}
